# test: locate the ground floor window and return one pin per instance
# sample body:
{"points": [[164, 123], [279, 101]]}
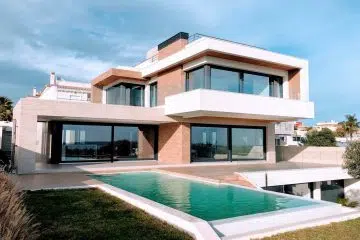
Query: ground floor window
{"points": [[95, 142], [227, 143], [301, 189], [332, 190]]}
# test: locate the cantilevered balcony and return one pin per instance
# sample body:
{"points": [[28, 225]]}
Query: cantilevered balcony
{"points": [[206, 102]]}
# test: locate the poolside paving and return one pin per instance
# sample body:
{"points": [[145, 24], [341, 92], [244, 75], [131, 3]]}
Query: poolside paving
{"points": [[76, 175]]}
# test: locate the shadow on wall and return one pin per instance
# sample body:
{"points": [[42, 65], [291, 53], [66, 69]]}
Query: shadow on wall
{"points": [[308, 154]]}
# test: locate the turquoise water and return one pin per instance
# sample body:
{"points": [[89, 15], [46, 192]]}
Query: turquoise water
{"points": [[205, 201]]}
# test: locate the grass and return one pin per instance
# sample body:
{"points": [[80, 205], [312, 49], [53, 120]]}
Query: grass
{"points": [[92, 214], [348, 230]]}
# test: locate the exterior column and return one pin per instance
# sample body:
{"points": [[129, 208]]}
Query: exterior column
{"points": [[317, 191], [24, 135], [270, 143], [174, 143], [147, 96]]}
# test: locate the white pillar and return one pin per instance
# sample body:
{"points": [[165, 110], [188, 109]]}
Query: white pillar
{"points": [[270, 143], [25, 128], [317, 191], [147, 96]]}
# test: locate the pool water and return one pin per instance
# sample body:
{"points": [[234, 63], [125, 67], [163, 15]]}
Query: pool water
{"points": [[206, 201]]}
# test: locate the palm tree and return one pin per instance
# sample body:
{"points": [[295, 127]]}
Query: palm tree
{"points": [[350, 125], [5, 109]]}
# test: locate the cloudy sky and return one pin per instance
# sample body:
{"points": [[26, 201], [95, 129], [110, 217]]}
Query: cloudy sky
{"points": [[80, 39]]}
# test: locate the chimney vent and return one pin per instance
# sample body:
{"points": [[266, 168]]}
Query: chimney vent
{"points": [[52, 78]]}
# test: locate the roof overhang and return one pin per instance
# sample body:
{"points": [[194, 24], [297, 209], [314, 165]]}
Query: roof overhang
{"points": [[224, 49], [113, 74]]}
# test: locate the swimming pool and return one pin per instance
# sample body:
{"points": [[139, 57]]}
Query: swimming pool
{"points": [[206, 201]]}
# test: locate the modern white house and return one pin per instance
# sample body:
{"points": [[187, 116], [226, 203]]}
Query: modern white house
{"points": [[198, 108], [196, 100]]}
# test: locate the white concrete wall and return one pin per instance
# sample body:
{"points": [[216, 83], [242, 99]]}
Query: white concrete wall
{"points": [[294, 176], [352, 189], [308, 154], [202, 101]]}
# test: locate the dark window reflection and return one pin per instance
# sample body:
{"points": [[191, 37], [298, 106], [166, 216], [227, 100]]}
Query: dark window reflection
{"points": [[134, 142], [125, 94], [332, 190], [86, 143], [209, 143], [153, 95], [234, 80]]}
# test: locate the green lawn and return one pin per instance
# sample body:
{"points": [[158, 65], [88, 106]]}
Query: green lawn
{"points": [[348, 230], [92, 214]]}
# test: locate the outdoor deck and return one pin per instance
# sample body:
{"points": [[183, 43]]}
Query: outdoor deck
{"points": [[75, 175]]}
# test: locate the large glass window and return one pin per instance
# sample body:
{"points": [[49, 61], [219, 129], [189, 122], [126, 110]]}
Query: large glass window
{"points": [[153, 94], [256, 84], [104, 142], [213, 143], [209, 143], [332, 190], [134, 142], [86, 143], [247, 143], [234, 80], [125, 94], [195, 79], [224, 80]]}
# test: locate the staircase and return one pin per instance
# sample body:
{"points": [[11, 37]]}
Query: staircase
{"points": [[237, 179]]}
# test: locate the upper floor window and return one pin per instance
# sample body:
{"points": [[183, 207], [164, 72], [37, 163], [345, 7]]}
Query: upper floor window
{"points": [[153, 94], [234, 80], [125, 94]]}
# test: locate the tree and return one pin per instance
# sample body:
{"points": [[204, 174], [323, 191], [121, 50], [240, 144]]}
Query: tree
{"points": [[352, 159], [350, 125], [340, 132], [5, 109], [323, 138]]}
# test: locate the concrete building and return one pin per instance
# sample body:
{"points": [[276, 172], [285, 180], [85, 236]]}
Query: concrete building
{"points": [[332, 125], [195, 100], [199, 99], [59, 89]]}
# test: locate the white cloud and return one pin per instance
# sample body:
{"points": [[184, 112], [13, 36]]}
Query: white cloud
{"points": [[63, 61]]}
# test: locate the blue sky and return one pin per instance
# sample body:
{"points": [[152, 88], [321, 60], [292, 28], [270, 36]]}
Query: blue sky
{"points": [[80, 39]]}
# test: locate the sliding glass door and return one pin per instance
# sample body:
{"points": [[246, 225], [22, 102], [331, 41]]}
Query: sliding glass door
{"points": [[91, 142], [227, 143], [209, 144]]}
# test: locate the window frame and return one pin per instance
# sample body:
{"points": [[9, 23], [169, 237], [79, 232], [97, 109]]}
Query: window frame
{"points": [[127, 86], [207, 79], [229, 140], [151, 85]]}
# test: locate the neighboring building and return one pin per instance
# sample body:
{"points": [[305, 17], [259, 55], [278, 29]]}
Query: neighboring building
{"points": [[197, 99], [332, 125], [285, 134], [5, 137], [59, 89]]}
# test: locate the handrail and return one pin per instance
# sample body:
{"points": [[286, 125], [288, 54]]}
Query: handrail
{"points": [[197, 36]]}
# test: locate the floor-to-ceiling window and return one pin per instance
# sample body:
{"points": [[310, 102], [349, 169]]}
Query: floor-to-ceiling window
{"points": [[125, 94], [86, 142], [153, 94], [209, 143], [92, 142], [332, 190], [221, 143], [234, 80], [247, 143]]}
